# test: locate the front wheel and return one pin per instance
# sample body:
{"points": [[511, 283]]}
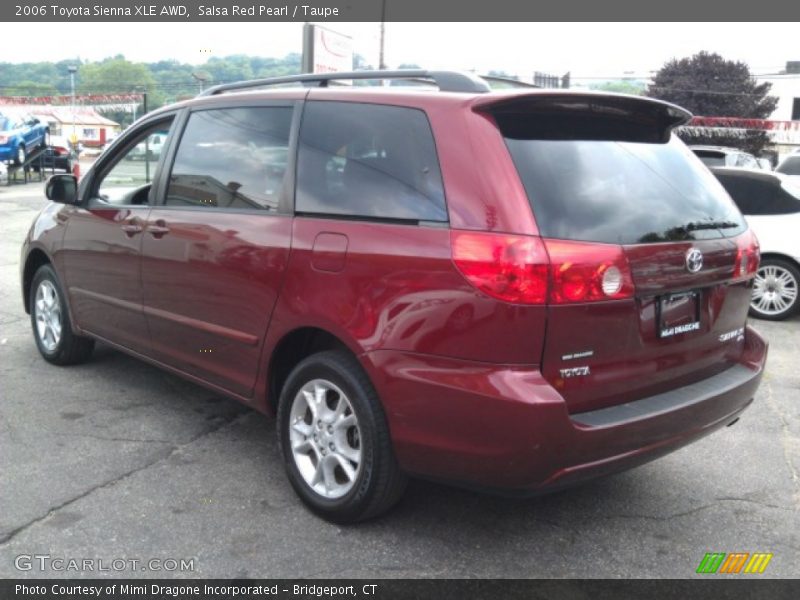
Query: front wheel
{"points": [[50, 322], [335, 441], [775, 290], [21, 155]]}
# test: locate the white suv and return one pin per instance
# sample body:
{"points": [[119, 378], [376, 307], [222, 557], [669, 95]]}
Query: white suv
{"points": [[771, 204]]}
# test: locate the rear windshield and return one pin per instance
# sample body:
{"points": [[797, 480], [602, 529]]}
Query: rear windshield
{"points": [[622, 192], [790, 166]]}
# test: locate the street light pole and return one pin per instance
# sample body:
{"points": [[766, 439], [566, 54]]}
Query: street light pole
{"points": [[72, 70], [381, 63]]}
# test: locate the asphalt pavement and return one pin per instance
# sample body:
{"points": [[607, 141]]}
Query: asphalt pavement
{"points": [[115, 460]]}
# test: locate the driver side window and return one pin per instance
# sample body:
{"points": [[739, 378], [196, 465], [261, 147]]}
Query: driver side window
{"points": [[128, 180]]}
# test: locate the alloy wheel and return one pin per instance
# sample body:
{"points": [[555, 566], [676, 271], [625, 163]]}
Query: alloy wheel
{"points": [[774, 290], [48, 315], [325, 439]]}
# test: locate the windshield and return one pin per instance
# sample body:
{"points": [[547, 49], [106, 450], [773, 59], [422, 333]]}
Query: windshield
{"points": [[622, 192]]}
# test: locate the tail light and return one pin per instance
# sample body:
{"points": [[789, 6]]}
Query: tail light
{"points": [[585, 272], [748, 255], [59, 150], [508, 267], [530, 270]]}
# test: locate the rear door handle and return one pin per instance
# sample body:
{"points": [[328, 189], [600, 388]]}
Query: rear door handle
{"points": [[132, 227], [158, 229]]}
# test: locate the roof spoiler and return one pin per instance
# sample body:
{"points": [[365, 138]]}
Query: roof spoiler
{"points": [[583, 116]]}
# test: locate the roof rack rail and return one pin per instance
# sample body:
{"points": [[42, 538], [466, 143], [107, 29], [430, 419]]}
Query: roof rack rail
{"points": [[448, 81]]}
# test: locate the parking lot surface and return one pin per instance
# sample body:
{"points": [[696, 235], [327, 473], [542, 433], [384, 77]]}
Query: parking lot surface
{"points": [[115, 459]]}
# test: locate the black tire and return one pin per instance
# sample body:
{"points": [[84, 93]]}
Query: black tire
{"points": [[70, 349], [790, 275], [379, 482]]}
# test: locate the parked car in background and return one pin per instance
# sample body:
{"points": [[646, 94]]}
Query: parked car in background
{"points": [[721, 156], [790, 165], [60, 154], [515, 290], [20, 134], [151, 149], [771, 205]]}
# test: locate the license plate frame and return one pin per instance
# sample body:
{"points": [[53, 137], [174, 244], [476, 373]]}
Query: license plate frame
{"points": [[678, 313]]}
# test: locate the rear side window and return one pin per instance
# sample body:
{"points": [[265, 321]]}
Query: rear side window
{"points": [[231, 158], [761, 196], [619, 192], [369, 161]]}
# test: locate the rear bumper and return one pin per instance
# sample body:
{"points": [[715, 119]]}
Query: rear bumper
{"points": [[506, 428]]}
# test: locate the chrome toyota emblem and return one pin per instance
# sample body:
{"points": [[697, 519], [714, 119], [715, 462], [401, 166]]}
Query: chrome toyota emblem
{"points": [[694, 260]]}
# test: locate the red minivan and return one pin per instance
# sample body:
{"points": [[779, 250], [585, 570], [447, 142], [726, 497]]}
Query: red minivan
{"points": [[511, 290]]}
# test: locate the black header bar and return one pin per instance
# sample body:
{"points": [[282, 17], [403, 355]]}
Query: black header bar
{"points": [[321, 11]]}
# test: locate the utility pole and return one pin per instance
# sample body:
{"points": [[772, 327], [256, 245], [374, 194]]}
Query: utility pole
{"points": [[381, 63], [72, 70]]}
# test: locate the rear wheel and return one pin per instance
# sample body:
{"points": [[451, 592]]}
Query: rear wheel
{"points": [[50, 322], [775, 290], [21, 155], [335, 442]]}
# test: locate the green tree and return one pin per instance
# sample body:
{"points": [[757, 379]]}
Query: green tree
{"points": [[711, 86], [30, 88], [119, 76], [115, 75]]}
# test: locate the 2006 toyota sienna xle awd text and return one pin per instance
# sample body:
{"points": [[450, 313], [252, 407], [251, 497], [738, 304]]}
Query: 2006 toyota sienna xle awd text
{"points": [[512, 290]]}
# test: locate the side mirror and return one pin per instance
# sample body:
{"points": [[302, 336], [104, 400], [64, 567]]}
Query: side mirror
{"points": [[62, 188]]}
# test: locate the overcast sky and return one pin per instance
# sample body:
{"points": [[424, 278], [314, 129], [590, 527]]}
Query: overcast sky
{"points": [[586, 49]]}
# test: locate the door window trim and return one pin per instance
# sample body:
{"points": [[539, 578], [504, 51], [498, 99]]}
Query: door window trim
{"points": [[123, 145]]}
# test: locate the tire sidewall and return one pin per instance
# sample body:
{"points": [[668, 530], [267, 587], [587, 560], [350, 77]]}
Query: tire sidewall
{"points": [[357, 499]]}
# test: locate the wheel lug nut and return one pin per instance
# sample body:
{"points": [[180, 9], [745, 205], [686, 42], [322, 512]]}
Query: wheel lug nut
{"points": [[330, 428], [331, 446], [323, 451], [319, 424]]}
